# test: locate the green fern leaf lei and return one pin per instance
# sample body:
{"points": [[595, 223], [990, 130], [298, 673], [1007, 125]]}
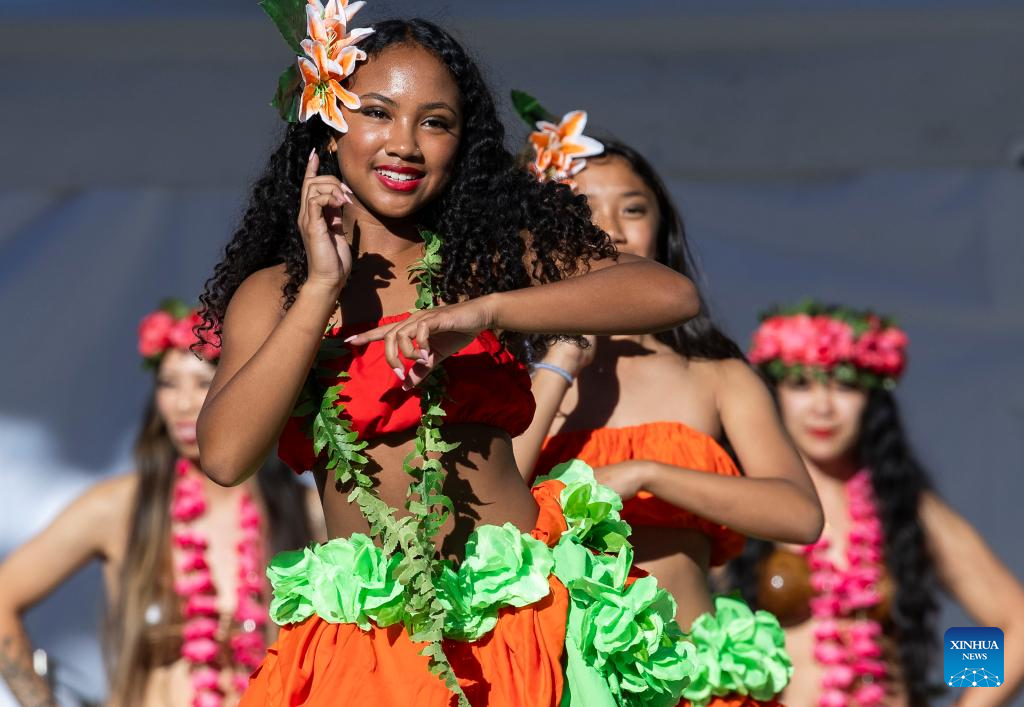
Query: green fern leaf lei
{"points": [[429, 508]]}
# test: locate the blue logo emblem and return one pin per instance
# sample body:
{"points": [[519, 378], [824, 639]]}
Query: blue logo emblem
{"points": [[973, 657]]}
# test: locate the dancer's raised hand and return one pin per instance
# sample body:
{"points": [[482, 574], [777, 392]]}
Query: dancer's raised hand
{"points": [[328, 255]]}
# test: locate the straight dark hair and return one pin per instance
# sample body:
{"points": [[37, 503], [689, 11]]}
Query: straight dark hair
{"points": [[699, 337], [147, 574]]}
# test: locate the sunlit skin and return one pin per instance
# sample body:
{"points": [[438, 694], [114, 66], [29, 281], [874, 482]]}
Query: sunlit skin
{"points": [[824, 418], [622, 204], [410, 121], [632, 380], [181, 385], [96, 526]]}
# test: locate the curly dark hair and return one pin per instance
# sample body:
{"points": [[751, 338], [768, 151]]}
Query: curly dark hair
{"points": [[898, 480], [698, 337], [482, 214]]}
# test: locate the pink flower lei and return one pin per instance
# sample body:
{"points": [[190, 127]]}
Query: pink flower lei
{"points": [[860, 348], [198, 594], [172, 326], [850, 651]]}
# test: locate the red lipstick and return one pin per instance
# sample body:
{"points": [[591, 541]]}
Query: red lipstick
{"points": [[821, 433], [399, 177]]}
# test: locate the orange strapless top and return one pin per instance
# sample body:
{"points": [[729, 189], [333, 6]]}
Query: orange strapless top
{"points": [[485, 385], [667, 442]]}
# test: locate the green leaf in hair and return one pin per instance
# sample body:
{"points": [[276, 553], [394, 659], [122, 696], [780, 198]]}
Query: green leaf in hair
{"points": [[530, 109], [288, 94], [289, 16]]}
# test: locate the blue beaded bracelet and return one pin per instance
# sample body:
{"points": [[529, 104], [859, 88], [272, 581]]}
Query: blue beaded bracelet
{"points": [[556, 369]]}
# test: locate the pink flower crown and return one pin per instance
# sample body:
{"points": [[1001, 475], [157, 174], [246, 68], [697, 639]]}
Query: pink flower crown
{"points": [[172, 326], [559, 149], [318, 32], [860, 348]]}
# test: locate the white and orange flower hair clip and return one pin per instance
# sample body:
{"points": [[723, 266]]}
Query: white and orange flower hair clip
{"points": [[313, 86], [559, 149]]}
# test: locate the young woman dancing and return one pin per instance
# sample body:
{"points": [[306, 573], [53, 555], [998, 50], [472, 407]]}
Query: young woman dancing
{"points": [[446, 578], [647, 411], [859, 605]]}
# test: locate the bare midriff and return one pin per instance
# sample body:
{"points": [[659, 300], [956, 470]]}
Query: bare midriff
{"points": [[805, 686], [678, 557], [483, 482]]}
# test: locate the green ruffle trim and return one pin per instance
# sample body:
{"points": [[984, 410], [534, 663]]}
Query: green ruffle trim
{"points": [[623, 646], [346, 580], [739, 651], [591, 510], [350, 580], [503, 567]]}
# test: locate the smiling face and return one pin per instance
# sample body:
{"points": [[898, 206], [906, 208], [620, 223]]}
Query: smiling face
{"points": [[399, 151], [822, 416], [622, 204], [182, 381]]}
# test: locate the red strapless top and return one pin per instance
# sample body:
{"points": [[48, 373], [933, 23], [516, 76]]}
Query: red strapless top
{"points": [[485, 385], [666, 442]]}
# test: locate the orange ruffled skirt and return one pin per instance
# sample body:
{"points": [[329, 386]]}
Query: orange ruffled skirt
{"points": [[518, 664]]}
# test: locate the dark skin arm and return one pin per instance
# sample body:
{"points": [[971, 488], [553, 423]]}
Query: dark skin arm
{"points": [[631, 296], [266, 355]]}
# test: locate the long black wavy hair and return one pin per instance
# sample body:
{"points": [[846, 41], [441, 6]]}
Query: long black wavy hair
{"points": [[482, 214], [899, 480], [699, 337]]}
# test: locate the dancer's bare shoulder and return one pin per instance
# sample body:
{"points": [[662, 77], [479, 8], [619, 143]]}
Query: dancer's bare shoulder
{"points": [[259, 293]]}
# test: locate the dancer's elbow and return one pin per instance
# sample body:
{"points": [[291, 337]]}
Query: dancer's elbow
{"points": [[678, 298]]}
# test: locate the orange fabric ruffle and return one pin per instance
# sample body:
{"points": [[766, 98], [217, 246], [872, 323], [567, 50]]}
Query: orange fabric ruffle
{"points": [[518, 664], [666, 442]]}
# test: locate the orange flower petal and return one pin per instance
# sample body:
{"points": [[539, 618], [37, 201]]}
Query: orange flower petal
{"points": [[347, 62], [331, 9], [581, 146], [540, 140], [315, 27], [351, 8], [308, 70], [572, 123], [309, 104], [331, 114], [348, 99], [358, 33]]}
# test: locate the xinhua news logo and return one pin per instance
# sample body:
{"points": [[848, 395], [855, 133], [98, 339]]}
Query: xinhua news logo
{"points": [[973, 657]]}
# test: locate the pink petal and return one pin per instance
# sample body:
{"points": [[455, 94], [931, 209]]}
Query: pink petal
{"points": [[205, 679], [199, 627], [202, 650]]}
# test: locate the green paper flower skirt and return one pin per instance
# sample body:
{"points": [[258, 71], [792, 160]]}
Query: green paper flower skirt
{"points": [[557, 616]]}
